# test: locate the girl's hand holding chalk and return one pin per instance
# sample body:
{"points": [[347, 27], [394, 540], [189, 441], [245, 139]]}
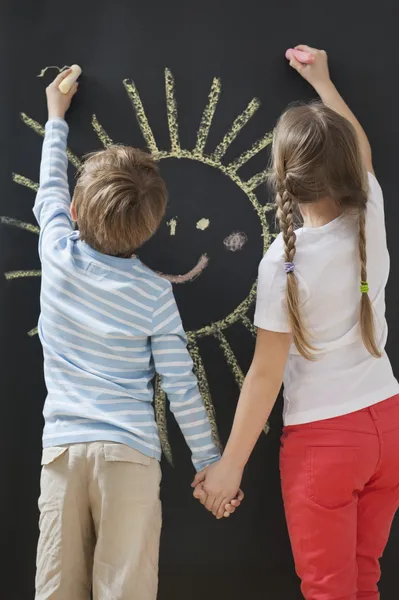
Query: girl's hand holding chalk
{"points": [[61, 91], [306, 58], [311, 63]]}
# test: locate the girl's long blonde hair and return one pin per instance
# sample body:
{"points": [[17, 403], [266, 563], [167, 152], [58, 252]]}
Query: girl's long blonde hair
{"points": [[316, 155]]}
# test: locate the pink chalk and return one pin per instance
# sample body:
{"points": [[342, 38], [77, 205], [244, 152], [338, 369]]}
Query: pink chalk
{"points": [[306, 58]]}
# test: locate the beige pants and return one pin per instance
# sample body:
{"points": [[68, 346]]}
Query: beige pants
{"points": [[100, 523]]}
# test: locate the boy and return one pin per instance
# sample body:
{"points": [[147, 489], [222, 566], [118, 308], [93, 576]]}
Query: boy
{"points": [[107, 324]]}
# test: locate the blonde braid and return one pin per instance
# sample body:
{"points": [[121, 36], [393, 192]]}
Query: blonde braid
{"points": [[286, 218], [285, 215], [366, 309]]}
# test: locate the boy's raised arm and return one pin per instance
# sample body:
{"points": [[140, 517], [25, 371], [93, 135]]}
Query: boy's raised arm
{"points": [[52, 204]]}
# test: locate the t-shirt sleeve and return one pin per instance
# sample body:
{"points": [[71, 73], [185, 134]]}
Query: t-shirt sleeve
{"points": [[271, 309], [375, 210], [375, 198]]}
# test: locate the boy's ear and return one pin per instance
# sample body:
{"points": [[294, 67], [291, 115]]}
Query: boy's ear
{"points": [[73, 213]]}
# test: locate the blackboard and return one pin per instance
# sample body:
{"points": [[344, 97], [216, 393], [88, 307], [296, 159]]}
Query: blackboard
{"points": [[242, 45]]}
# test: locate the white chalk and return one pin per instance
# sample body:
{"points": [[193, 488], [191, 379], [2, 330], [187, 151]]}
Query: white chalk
{"points": [[68, 82]]}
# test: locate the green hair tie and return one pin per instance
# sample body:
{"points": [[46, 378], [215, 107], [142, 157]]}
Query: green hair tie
{"points": [[364, 287]]}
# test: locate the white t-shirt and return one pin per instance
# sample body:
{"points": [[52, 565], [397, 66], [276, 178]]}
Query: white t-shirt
{"points": [[345, 378]]}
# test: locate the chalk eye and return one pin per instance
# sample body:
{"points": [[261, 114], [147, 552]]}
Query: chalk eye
{"points": [[235, 241], [172, 224], [203, 224]]}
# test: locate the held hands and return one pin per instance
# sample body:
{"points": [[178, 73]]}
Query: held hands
{"points": [[57, 102], [315, 73], [217, 487]]}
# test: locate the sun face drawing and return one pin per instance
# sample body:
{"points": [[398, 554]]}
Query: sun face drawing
{"points": [[184, 168]]}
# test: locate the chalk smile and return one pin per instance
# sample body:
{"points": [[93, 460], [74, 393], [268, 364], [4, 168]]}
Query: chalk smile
{"points": [[190, 275]]}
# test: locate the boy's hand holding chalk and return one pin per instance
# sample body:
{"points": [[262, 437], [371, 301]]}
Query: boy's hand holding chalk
{"points": [[66, 84], [61, 91], [312, 64]]}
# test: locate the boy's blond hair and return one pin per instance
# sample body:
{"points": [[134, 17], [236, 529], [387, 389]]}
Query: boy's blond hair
{"points": [[120, 199]]}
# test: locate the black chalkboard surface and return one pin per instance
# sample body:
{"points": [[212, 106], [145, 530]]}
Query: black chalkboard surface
{"points": [[204, 84]]}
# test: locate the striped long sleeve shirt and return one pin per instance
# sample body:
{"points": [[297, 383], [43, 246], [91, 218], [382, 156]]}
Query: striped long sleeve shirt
{"points": [[107, 325]]}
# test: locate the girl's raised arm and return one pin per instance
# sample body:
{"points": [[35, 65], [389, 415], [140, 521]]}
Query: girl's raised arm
{"points": [[318, 75]]}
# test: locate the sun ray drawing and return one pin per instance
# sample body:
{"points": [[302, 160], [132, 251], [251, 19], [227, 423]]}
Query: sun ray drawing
{"points": [[214, 159]]}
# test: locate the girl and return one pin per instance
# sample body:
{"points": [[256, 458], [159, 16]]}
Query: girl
{"points": [[321, 330]]}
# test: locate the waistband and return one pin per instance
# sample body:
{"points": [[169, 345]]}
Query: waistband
{"points": [[385, 414]]}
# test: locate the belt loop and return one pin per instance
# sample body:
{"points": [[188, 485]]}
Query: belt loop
{"points": [[373, 413]]}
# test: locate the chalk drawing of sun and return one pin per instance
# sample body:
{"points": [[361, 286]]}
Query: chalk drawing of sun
{"points": [[232, 242]]}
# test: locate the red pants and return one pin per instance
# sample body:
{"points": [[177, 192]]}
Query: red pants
{"points": [[340, 481]]}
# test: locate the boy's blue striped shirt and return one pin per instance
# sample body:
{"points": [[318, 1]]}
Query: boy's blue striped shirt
{"points": [[107, 325]]}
